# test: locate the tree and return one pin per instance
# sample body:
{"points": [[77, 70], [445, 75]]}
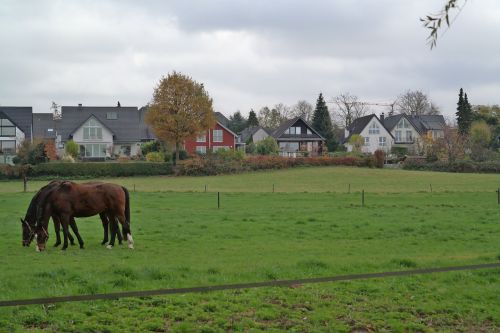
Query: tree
{"points": [[252, 119], [303, 109], [323, 123], [237, 122], [269, 118], [464, 113], [433, 22], [350, 108], [415, 103], [480, 139], [451, 145], [180, 109]]}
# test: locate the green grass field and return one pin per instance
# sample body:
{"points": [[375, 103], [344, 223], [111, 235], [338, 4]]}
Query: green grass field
{"points": [[311, 227]]}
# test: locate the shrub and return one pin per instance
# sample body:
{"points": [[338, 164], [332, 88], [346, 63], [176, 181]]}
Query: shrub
{"points": [[72, 148], [152, 146], [251, 148], [11, 172], [456, 166], [268, 146], [230, 154], [379, 156], [154, 156], [31, 153], [99, 169], [68, 159], [399, 151]]}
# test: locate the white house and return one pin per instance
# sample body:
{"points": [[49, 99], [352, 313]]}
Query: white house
{"points": [[15, 126], [375, 135]]}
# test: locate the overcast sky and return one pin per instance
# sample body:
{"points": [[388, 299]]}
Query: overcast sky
{"points": [[248, 53]]}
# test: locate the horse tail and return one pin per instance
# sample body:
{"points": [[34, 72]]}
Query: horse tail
{"points": [[127, 205]]}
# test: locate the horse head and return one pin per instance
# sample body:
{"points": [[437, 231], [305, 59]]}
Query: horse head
{"points": [[28, 231]]}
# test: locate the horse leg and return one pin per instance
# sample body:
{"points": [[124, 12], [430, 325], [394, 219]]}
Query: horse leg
{"points": [[57, 229], [113, 226], [119, 234], [105, 224], [127, 234], [64, 222], [71, 239], [73, 226]]}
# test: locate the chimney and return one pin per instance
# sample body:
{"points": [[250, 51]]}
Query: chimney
{"points": [[80, 105], [382, 116]]}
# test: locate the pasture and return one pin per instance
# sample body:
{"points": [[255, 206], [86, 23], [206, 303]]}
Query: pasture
{"points": [[310, 227]]}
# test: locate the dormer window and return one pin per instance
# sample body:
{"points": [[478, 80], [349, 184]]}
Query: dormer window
{"points": [[7, 128], [111, 115], [92, 130]]}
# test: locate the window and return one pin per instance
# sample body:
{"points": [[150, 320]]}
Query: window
{"points": [[217, 136], [309, 132], [382, 141], [374, 129], [7, 128], [403, 123], [215, 148], [93, 150], [92, 130], [201, 138], [367, 140], [111, 115], [399, 136], [289, 146], [409, 136], [8, 147], [201, 149], [293, 130]]}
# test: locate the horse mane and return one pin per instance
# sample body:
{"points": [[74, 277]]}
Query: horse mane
{"points": [[41, 203], [31, 214]]}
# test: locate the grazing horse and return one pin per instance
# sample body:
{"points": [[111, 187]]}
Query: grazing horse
{"points": [[28, 223], [69, 200]]}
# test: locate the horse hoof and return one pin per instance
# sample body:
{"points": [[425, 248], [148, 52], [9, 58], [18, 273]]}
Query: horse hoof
{"points": [[81, 247], [57, 244], [64, 248], [109, 247], [131, 246]]}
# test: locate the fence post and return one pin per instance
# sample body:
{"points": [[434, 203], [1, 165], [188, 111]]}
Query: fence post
{"points": [[430, 185], [218, 199], [25, 183], [349, 190], [498, 196], [273, 188], [134, 188], [363, 198], [205, 188]]}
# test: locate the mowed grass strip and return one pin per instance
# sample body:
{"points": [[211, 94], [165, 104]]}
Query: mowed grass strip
{"points": [[312, 179]]}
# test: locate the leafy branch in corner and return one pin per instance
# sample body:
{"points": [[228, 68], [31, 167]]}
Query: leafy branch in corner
{"points": [[433, 22]]}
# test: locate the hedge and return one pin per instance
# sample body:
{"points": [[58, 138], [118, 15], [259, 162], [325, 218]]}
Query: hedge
{"points": [[207, 166], [457, 166], [99, 169]]}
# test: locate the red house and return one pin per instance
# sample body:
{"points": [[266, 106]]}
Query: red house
{"points": [[219, 137]]}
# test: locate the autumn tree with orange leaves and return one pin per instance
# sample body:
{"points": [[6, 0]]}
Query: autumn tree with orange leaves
{"points": [[180, 109]]}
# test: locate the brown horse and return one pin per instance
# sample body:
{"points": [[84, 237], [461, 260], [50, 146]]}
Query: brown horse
{"points": [[69, 200], [28, 223]]}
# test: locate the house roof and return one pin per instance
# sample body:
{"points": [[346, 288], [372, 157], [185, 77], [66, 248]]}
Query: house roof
{"points": [[248, 132], [279, 132], [421, 123], [21, 116], [126, 128], [42, 122], [221, 119]]}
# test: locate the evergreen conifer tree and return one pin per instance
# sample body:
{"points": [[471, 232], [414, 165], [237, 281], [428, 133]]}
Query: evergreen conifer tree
{"points": [[464, 113], [252, 119], [323, 123]]}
